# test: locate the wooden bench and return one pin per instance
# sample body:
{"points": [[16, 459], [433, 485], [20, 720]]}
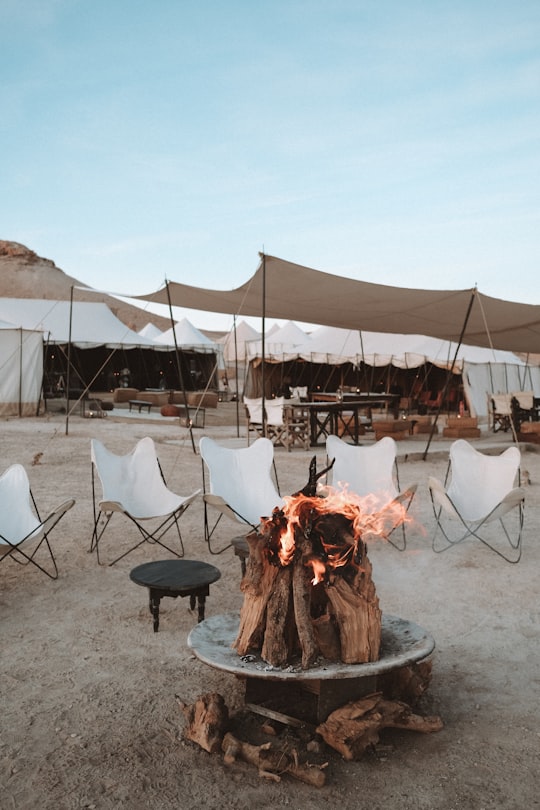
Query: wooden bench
{"points": [[140, 404]]}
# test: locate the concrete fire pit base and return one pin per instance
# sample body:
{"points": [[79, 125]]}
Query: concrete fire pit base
{"points": [[308, 695]]}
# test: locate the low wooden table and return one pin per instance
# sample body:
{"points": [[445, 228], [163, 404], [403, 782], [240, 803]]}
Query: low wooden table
{"points": [[140, 404], [176, 578]]}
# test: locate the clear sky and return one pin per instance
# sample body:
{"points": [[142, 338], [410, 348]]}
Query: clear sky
{"points": [[396, 142]]}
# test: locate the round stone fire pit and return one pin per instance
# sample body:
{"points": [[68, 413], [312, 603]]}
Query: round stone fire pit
{"points": [[402, 643]]}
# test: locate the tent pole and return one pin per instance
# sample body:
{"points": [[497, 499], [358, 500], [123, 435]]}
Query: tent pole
{"points": [[450, 371], [364, 367], [43, 380], [236, 378], [68, 381], [180, 376], [20, 370], [263, 343]]}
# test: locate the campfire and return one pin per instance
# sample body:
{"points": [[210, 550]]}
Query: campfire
{"points": [[308, 588], [310, 615]]}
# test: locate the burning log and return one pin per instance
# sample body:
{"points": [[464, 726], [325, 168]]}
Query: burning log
{"points": [[308, 588], [354, 727], [257, 588]]}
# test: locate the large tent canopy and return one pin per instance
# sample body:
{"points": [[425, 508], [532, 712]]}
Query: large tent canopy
{"points": [[284, 290]]}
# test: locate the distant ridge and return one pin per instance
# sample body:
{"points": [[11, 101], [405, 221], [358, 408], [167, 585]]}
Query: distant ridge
{"points": [[24, 274]]}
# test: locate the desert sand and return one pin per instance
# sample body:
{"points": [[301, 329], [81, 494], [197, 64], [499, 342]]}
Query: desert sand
{"points": [[89, 715]]}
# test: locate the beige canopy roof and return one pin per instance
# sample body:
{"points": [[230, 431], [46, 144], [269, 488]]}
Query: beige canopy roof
{"points": [[294, 292]]}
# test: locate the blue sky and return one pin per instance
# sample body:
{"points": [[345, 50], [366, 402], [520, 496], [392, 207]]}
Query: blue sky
{"points": [[386, 141]]}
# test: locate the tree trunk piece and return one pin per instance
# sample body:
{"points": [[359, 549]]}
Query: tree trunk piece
{"points": [[206, 720], [352, 728]]}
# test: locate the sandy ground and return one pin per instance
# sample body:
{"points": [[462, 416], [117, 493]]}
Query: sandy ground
{"points": [[89, 717]]}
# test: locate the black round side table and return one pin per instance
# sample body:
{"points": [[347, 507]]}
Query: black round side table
{"points": [[176, 578]]}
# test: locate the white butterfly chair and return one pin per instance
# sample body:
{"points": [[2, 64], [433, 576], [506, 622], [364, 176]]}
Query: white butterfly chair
{"points": [[275, 427], [479, 498], [22, 532], [133, 485], [254, 414], [238, 483], [501, 412], [371, 472]]}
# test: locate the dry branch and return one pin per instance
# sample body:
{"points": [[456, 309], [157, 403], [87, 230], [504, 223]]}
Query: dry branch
{"points": [[271, 762]]}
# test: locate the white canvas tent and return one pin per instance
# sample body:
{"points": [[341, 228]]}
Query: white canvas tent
{"points": [[279, 340], [150, 331], [21, 370], [186, 336], [234, 356], [235, 342], [290, 333], [334, 346], [482, 379], [88, 324], [98, 348], [487, 370]]}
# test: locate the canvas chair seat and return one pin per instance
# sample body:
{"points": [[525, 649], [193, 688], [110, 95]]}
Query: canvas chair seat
{"points": [[371, 472], [239, 483], [22, 532], [133, 485], [478, 494]]}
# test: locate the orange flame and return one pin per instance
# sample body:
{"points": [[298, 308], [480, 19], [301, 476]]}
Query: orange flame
{"points": [[359, 520]]}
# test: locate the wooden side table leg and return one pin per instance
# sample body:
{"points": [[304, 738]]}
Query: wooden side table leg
{"points": [[155, 599], [201, 600]]}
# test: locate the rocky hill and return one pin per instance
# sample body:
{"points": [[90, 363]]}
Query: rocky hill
{"points": [[24, 274]]}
